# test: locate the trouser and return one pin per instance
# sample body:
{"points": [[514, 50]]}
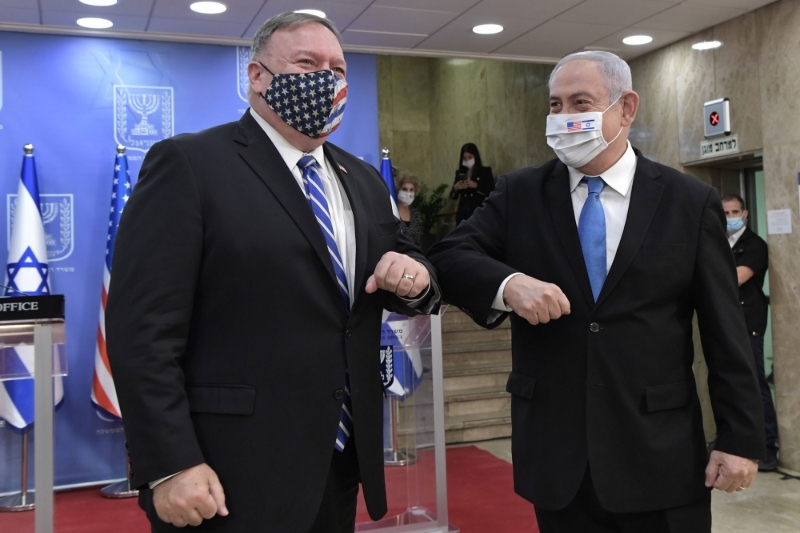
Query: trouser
{"points": [[770, 420], [337, 512]]}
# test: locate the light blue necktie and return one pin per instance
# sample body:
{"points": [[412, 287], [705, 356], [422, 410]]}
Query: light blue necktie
{"points": [[315, 192], [592, 233]]}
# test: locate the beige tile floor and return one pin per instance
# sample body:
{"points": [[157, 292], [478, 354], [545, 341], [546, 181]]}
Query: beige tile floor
{"points": [[770, 505]]}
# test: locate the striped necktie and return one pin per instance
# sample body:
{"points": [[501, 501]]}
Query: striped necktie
{"points": [[592, 233], [315, 192]]}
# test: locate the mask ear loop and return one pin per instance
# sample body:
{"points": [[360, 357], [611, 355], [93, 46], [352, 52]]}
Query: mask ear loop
{"points": [[603, 113]]}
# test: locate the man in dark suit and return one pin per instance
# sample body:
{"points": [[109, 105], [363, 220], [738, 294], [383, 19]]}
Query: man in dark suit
{"points": [[603, 258], [752, 259], [250, 272]]}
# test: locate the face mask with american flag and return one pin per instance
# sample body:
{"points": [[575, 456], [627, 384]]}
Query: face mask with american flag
{"points": [[310, 102]]}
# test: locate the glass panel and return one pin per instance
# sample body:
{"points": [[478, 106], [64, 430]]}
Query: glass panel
{"points": [[16, 351], [410, 443]]}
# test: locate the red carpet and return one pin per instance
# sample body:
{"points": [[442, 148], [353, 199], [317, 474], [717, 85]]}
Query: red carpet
{"points": [[481, 499]]}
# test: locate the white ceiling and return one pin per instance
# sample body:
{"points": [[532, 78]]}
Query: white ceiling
{"points": [[535, 30]]}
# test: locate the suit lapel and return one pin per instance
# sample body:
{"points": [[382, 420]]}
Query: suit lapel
{"points": [[261, 155], [559, 201], [645, 197], [347, 179]]}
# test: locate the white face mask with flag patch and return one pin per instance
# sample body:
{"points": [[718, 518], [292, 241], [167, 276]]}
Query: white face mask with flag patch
{"points": [[577, 138]]}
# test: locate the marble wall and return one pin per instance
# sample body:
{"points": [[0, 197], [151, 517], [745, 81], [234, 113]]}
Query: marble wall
{"points": [[758, 68], [429, 107]]}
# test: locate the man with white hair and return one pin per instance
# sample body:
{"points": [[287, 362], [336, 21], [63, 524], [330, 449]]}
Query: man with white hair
{"points": [[603, 257]]}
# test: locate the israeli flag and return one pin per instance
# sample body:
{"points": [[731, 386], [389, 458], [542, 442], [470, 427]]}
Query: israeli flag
{"points": [[406, 361], [26, 275]]}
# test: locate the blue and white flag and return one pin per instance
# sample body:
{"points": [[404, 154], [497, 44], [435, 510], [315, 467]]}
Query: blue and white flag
{"points": [[26, 274], [401, 362], [388, 174]]}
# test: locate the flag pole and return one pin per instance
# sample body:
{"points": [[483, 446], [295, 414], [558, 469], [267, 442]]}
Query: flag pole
{"points": [[394, 456], [24, 501], [122, 488]]}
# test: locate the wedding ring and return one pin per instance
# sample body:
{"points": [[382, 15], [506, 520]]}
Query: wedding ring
{"points": [[408, 276]]}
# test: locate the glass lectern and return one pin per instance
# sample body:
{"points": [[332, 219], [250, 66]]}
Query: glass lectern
{"points": [[32, 346], [414, 445]]}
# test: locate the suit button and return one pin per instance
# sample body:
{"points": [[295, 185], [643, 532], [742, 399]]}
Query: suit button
{"points": [[339, 394], [594, 327], [348, 333]]}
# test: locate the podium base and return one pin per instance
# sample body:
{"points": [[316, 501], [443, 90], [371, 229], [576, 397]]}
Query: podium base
{"points": [[417, 515], [119, 490], [14, 503], [398, 458]]}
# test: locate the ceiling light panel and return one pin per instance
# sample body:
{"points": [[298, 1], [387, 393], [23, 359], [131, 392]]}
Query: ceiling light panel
{"points": [[487, 29], [637, 40], [99, 3], [94, 23], [208, 8]]}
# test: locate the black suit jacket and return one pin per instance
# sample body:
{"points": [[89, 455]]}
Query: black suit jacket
{"points": [[227, 336], [611, 384], [751, 251]]}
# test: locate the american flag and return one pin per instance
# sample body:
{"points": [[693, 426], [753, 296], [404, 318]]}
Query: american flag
{"points": [[580, 125], [103, 393]]}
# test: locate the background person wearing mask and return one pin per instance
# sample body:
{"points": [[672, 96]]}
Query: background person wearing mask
{"points": [[603, 257], [407, 185], [751, 257], [472, 184]]}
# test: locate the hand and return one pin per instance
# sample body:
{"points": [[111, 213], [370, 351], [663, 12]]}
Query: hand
{"points": [[399, 274], [189, 497], [536, 301], [730, 473], [460, 185], [472, 184]]}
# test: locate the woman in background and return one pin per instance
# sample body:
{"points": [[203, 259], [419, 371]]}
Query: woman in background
{"points": [[407, 186], [473, 182]]}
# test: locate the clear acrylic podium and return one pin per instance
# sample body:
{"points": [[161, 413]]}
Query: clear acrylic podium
{"points": [[32, 345], [414, 445]]}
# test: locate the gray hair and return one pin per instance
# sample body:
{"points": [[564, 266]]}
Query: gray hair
{"points": [[615, 71], [286, 20]]}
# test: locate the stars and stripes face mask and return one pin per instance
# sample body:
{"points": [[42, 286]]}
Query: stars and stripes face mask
{"points": [[310, 102]]}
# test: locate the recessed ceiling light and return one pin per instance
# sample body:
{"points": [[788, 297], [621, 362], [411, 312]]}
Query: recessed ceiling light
{"points": [[487, 29], [706, 45], [100, 3], [635, 40], [315, 12], [94, 23], [208, 8]]}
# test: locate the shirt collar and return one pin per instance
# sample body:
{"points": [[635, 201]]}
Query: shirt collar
{"points": [[733, 239], [619, 177], [289, 153]]}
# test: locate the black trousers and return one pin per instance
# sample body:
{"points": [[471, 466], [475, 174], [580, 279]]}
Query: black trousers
{"points": [[337, 512], [770, 420], [585, 514]]}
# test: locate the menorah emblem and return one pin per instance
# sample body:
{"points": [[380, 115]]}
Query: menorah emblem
{"points": [[144, 104], [143, 116]]}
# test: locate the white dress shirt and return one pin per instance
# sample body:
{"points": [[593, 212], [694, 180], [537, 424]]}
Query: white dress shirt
{"points": [[341, 212], [733, 239], [615, 199]]}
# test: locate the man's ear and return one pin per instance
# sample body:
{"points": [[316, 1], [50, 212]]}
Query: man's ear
{"points": [[630, 105], [259, 77]]}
